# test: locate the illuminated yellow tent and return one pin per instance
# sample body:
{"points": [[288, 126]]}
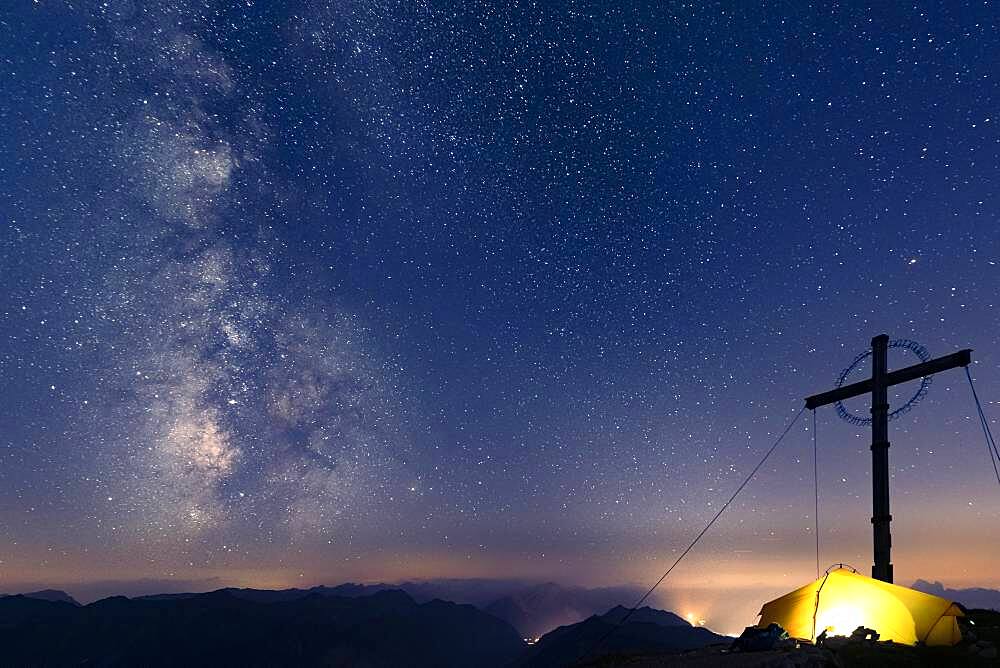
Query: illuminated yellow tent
{"points": [[843, 600]]}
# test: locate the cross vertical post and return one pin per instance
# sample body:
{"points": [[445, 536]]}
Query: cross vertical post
{"points": [[881, 519]]}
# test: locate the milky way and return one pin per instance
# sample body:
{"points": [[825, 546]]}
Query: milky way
{"points": [[253, 409], [302, 292]]}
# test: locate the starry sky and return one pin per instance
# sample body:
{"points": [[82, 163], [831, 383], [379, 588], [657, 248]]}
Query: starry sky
{"points": [[369, 290]]}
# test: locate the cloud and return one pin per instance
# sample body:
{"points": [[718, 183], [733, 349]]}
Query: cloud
{"points": [[88, 592]]}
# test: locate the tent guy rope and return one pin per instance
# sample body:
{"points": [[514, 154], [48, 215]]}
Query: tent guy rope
{"points": [[697, 538], [991, 444]]}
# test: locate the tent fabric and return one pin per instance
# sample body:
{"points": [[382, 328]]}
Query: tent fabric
{"points": [[843, 600]]}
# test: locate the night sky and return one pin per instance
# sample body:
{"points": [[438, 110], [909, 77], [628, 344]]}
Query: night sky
{"points": [[301, 293]]}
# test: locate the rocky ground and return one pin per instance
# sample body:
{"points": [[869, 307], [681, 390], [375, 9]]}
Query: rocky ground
{"points": [[865, 655], [979, 649]]}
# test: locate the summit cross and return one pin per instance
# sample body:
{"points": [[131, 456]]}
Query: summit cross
{"points": [[879, 383]]}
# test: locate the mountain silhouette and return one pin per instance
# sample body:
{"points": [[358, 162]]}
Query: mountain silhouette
{"points": [[975, 597], [533, 609], [653, 631], [230, 627], [48, 595], [619, 613]]}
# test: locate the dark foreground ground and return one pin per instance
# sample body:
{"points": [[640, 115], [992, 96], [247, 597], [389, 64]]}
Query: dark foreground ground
{"points": [[977, 652]]}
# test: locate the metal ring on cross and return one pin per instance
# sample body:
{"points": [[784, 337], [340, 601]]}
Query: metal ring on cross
{"points": [[925, 382]]}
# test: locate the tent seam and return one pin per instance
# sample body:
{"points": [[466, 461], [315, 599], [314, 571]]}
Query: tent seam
{"points": [[936, 622]]}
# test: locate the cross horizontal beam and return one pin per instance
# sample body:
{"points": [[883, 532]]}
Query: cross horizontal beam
{"points": [[928, 368]]}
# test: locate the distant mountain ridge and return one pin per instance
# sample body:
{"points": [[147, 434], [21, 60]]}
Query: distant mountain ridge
{"points": [[532, 609], [645, 614], [47, 595], [347, 590], [974, 597], [385, 629]]}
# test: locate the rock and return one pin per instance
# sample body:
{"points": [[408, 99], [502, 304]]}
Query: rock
{"points": [[836, 643], [984, 649], [863, 633]]}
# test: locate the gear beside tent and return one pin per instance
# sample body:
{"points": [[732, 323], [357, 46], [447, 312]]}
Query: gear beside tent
{"points": [[843, 600]]}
